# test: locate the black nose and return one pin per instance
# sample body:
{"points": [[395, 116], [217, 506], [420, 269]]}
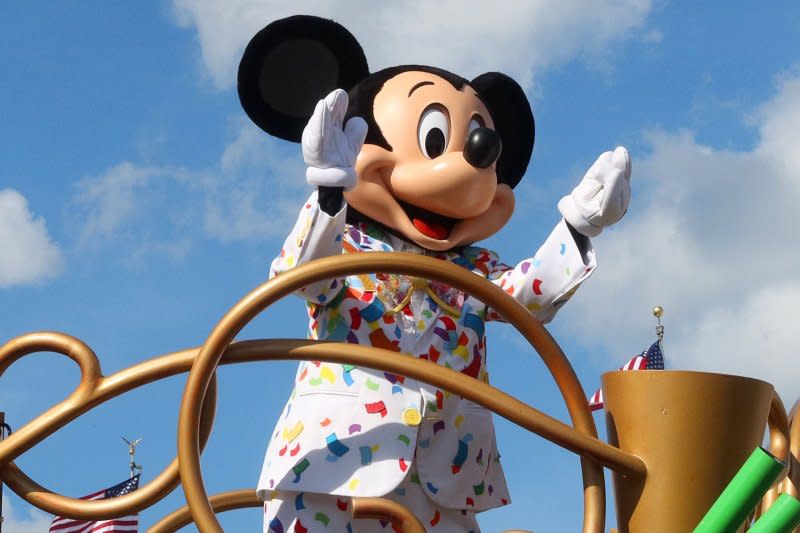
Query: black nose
{"points": [[483, 147]]}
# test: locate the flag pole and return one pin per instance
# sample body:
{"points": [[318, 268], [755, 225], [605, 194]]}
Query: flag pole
{"points": [[5, 430], [658, 312]]}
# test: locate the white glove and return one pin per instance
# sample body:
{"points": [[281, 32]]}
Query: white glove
{"points": [[602, 196], [328, 150]]}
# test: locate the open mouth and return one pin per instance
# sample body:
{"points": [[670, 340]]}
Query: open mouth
{"points": [[428, 223]]}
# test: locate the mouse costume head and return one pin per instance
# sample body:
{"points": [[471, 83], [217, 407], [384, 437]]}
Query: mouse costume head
{"points": [[442, 153]]}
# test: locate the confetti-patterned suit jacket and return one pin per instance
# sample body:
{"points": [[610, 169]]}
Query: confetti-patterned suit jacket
{"points": [[355, 432]]}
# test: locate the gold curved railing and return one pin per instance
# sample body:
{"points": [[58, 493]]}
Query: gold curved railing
{"points": [[779, 436], [92, 390], [198, 403]]}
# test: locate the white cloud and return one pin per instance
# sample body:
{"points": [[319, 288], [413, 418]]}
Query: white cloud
{"points": [[113, 198], [465, 36], [754, 338], [779, 131], [711, 236], [242, 203], [252, 192], [135, 207], [35, 521], [28, 255]]}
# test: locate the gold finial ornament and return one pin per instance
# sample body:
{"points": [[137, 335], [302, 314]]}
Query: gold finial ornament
{"points": [[658, 312]]}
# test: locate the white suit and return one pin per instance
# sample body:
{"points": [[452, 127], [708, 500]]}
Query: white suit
{"points": [[356, 432]]}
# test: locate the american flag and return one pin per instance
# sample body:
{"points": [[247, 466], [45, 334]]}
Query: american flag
{"points": [[650, 359], [126, 523]]}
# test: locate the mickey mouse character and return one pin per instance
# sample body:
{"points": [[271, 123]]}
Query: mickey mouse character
{"points": [[414, 159]]}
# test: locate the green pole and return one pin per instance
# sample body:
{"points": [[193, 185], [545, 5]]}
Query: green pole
{"points": [[782, 517], [742, 494]]}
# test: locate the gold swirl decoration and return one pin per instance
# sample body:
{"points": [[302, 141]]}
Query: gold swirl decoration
{"points": [[199, 398], [92, 390]]}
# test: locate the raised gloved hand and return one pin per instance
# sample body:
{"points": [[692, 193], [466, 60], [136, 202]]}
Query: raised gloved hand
{"points": [[328, 149], [602, 196]]}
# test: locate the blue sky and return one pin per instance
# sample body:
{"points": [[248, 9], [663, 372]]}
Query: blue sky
{"points": [[137, 204]]}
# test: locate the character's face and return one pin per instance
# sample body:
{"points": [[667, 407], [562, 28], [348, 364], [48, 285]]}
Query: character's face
{"points": [[438, 185]]}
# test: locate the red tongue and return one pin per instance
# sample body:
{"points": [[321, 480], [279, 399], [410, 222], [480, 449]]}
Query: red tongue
{"points": [[431, 229]]}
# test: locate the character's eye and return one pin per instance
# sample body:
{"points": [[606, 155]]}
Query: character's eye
{"points": [[475, 123], [433, 132]]}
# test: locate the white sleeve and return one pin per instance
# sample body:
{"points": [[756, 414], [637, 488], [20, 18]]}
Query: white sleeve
{"points": [[544, 282], [315, 234]]}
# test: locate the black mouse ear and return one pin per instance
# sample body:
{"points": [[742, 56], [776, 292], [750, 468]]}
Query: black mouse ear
{"points": [[513, 120], [290, 65]]}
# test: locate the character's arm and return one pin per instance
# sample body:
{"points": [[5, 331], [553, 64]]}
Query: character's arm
{"points": [[330, 152], [545, 282], [315, 234]]}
